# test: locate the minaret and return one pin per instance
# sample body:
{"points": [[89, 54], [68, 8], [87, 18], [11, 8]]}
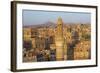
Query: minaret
{"points": [[59, 41]]}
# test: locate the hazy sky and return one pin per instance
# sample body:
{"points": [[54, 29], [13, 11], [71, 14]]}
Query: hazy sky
{"points": [[33, 17]]}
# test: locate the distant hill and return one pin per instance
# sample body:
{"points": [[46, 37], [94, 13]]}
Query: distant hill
{"points": [[49, 25]]}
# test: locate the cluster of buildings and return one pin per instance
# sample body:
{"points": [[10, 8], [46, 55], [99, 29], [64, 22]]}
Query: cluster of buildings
{"points": [[58, 43]]}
